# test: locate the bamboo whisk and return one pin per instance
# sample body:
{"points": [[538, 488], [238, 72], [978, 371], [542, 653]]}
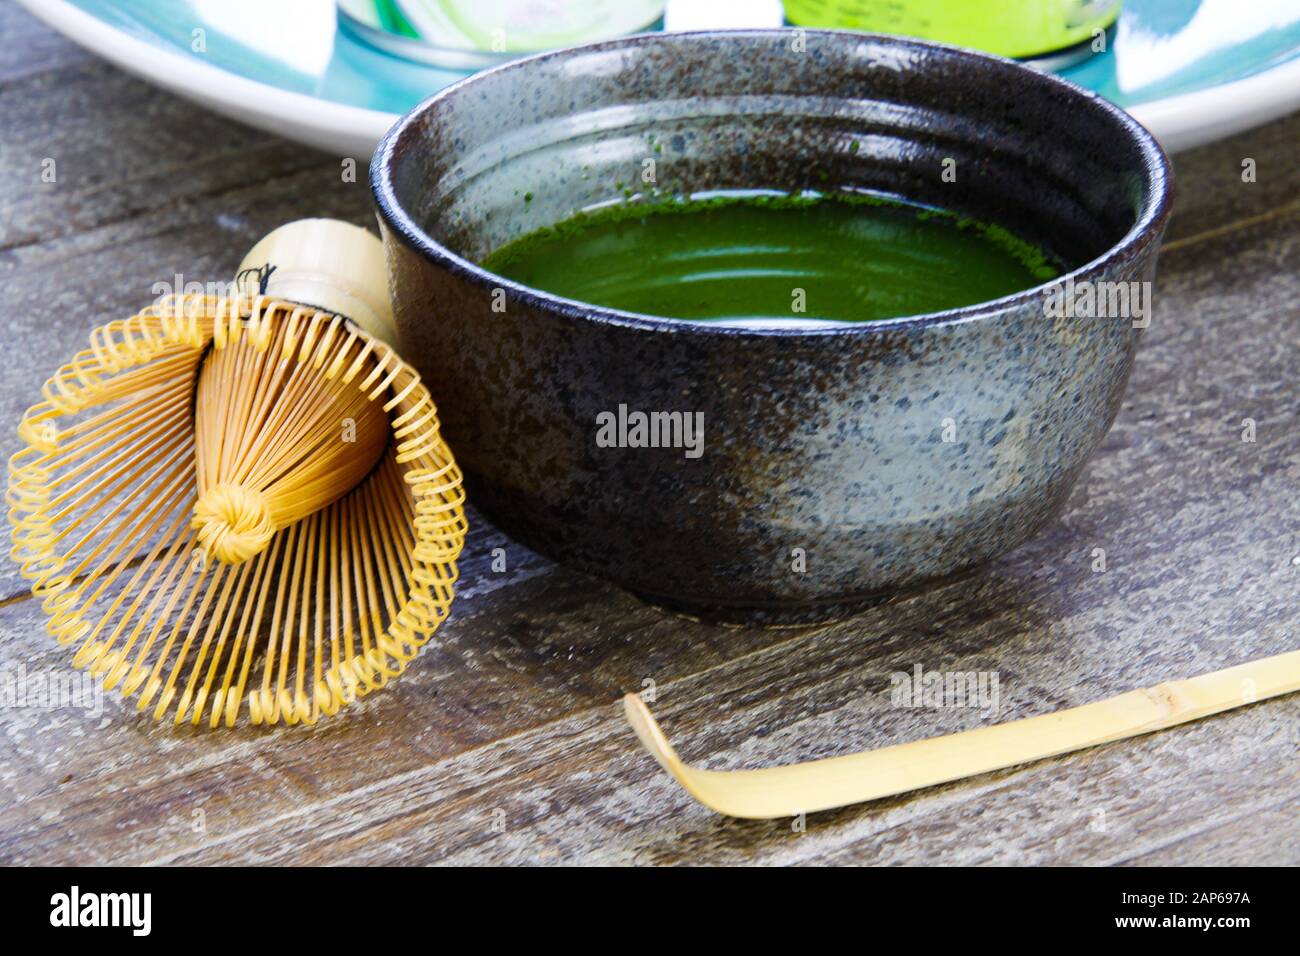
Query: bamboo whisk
{"points": [[244, 500]]}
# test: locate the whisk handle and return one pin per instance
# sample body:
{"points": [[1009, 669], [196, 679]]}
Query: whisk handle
{"points": [[329, 264]]}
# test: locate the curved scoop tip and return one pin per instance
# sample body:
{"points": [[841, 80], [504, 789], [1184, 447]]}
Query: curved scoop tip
{"points": [[647, 730], [689, 779]]}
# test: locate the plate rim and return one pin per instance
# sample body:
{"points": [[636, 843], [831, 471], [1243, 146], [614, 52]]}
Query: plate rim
{"points": [[319, 121], [1177, 122]]}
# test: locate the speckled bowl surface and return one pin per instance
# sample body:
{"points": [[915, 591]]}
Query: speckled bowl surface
{"points": [[838, 463]]}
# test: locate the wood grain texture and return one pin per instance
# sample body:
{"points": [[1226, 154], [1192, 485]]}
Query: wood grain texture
{"points": [[505, 743]]}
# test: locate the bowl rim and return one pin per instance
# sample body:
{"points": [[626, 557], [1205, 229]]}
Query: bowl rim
{"points": [[1148, 227]]}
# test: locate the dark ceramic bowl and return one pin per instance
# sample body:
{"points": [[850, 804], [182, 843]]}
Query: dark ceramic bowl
{"points": [[838, 463]]}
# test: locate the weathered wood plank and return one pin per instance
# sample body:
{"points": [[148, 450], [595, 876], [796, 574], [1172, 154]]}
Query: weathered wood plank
{"points": [[30, 47], [1211, 193], [1255, 838]]}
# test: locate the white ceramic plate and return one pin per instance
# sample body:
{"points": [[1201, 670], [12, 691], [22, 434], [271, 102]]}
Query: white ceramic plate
{"points": [[1191, 70]]}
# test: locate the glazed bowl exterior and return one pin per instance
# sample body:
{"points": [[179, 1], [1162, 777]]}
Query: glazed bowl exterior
{"points": [[838, 463]]}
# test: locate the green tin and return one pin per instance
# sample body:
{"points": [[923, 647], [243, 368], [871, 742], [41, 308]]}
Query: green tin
{"points": [[1016, 28]]}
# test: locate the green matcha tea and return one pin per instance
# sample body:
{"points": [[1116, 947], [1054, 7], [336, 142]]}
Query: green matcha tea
{"points": [[740, 258]]}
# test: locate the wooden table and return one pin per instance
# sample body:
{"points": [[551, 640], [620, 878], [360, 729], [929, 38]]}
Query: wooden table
{"points": [[505, 744]]}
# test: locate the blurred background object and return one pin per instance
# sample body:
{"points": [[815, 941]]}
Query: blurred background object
{"points": [[1017, 28], [471, 34]]}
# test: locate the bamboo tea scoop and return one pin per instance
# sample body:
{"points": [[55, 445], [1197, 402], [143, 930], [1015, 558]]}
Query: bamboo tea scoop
{"points": [[853, 778]]}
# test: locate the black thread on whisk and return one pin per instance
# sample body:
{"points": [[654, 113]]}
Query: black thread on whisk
{"points": [[263, 274]]}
